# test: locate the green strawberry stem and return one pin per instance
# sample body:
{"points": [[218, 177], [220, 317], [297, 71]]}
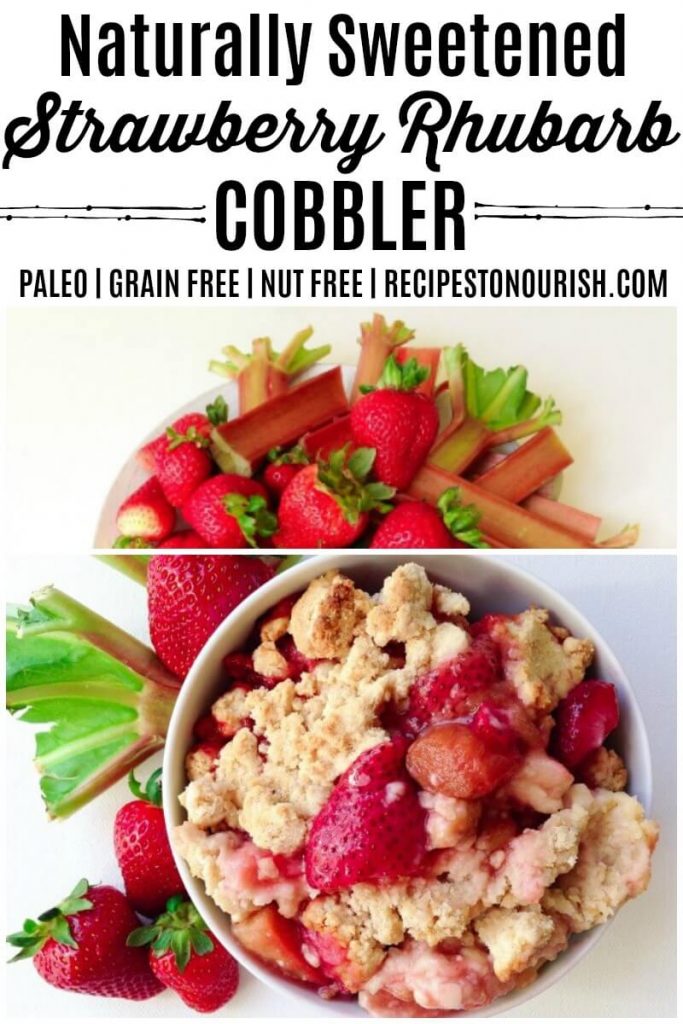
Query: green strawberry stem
{"points": [[52, 924], [105, 696], [378, 340], [180, 929], [461, 520], [345, 477]]}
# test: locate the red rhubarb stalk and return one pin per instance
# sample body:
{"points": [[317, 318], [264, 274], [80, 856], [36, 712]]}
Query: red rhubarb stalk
{"points": [[378, 341], [320, 443], [501, 520], [240, 444], [426, 357], [528, 468], [573, 519], [504, 524], [457, 449], [264, 373]]}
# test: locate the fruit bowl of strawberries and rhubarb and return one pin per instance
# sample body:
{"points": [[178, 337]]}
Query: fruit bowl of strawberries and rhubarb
{"points": [[408, 789], [414, 447]]}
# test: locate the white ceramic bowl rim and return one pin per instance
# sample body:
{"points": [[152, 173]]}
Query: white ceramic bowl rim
{"points": [[200, 685]]}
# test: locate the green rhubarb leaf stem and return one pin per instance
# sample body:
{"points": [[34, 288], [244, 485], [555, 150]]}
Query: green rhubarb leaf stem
{"points": [[133, 566], [103, 696]]}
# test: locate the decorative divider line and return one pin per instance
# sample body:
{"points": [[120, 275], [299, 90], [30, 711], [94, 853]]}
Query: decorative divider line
{"points": [[90, 212], [579, 212]]}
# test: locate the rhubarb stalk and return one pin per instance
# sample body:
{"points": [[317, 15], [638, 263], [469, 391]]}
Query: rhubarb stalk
{"points": [[105, 697], [573, 519], [504, 524], [378, 341], [548, 416], [264, 373], [528, 468], [240, 444], [457, 449], [320, 443]]}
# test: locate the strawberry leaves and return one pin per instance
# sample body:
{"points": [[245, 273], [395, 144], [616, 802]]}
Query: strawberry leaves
{"points": [[217, 411], [345, 478], [52, 924], [461, 520], [399, 376], [253, 516], [180, 929], [151, 792], [191, 436]]}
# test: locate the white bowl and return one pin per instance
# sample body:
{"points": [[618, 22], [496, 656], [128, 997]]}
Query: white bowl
{"points": [[490, 585]]}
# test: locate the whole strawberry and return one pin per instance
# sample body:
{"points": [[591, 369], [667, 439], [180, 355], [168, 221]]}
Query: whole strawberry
{"points": [[80, 945], [372, 827], [183, 539], [230, 511], [188, 596], [282, 467], [186, 957], [416, 524], [150, 876], [327, 504], [146, 514], [182, 464], [200, 423], [399, 422]]}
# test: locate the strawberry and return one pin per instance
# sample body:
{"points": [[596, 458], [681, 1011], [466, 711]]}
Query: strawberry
{"points": [[183, 464], [584, 719], [187, 958], [283, 467], [188, 596], [439, 694], [277, 476], [372, 827], [230, 511], [399, 422], [80, 945], [183, 539], [456, 760], [146, 513], [150, 876], [415, 524], [327, 504], [278, 941], [216, 412]]}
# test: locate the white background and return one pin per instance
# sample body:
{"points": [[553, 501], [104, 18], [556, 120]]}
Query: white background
{"points": [[630, 599], [85, 424], [631, 973]]}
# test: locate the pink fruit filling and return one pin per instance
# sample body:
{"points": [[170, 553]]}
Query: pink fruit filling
{"points": [[411, 809]]}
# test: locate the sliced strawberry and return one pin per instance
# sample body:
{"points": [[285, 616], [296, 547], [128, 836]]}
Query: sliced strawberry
{"points": [[584, 719], [277, 941], [372, 827], [439, 694]]}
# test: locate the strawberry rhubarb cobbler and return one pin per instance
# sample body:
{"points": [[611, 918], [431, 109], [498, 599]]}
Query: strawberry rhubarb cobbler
{"points": [[393, 801]]}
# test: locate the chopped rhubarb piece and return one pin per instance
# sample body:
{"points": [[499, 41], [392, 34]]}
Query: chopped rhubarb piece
{"points": [[426, 357], [378, 340], [320, 443], [453, 360], [457, 449], [501, 521], [278, 941], [240, 444], [573, 519], [264, 373], [523, 471]]}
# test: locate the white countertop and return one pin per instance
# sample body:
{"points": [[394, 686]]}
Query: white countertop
{"points": [[629, 598]]}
